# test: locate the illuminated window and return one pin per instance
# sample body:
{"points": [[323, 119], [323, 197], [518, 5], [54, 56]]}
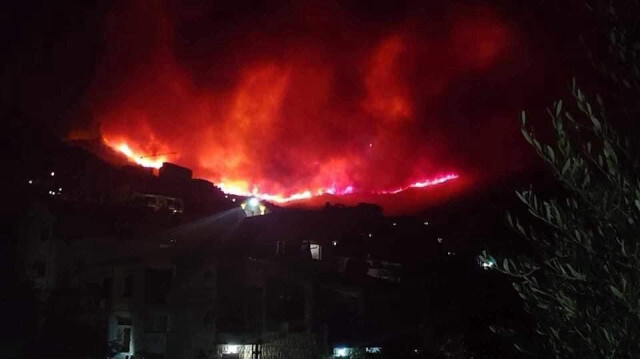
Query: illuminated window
{"points": [[124, 334], [125, 339], [316, 251], [232, 351]]}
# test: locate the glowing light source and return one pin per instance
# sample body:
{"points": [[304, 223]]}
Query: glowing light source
{"points": [[282, 198], [341, 352], [242, 188], [124, 148], [231, 349], [30, 181], [487, 264], [253, 202], [53, 173]]}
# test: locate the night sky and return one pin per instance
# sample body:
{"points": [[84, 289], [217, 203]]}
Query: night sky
{"points": [[284, 97]]}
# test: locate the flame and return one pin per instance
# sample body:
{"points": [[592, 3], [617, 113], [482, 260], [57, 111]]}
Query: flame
{"points": [[141, 160], [424, 183], [238, 188]]}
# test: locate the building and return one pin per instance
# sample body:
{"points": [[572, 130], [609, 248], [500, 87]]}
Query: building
{"points": [[167, 266]]}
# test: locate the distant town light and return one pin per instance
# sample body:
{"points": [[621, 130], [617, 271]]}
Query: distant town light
{"points": [[59, 189], [233, 199], [30, 181], [395, 224], [370, 235], [439, 239], [335, 243], [426, 223], [373, 349], [53, 173]]}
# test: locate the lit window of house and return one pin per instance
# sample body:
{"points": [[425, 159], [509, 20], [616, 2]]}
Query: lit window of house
{"points": [[316, 251], [124, 334]]}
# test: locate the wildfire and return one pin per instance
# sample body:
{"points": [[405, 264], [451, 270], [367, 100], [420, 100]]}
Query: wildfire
{"points": [[425, 183], [287, 119], [237, 187], [144, 161]]}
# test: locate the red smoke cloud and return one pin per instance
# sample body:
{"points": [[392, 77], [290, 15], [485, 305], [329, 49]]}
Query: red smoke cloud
{"points": [[291, 102]]}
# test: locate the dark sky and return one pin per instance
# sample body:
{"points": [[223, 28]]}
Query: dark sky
{"points": [[295, 95]]}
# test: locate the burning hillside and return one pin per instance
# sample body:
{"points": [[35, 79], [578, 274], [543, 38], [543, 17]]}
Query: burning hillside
{"points": [[294, 101]]}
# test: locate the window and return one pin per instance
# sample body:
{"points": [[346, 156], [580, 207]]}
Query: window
{"points": [[124, 333], [231, 351], [316, 251], [125, 339], [127, 289]]}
